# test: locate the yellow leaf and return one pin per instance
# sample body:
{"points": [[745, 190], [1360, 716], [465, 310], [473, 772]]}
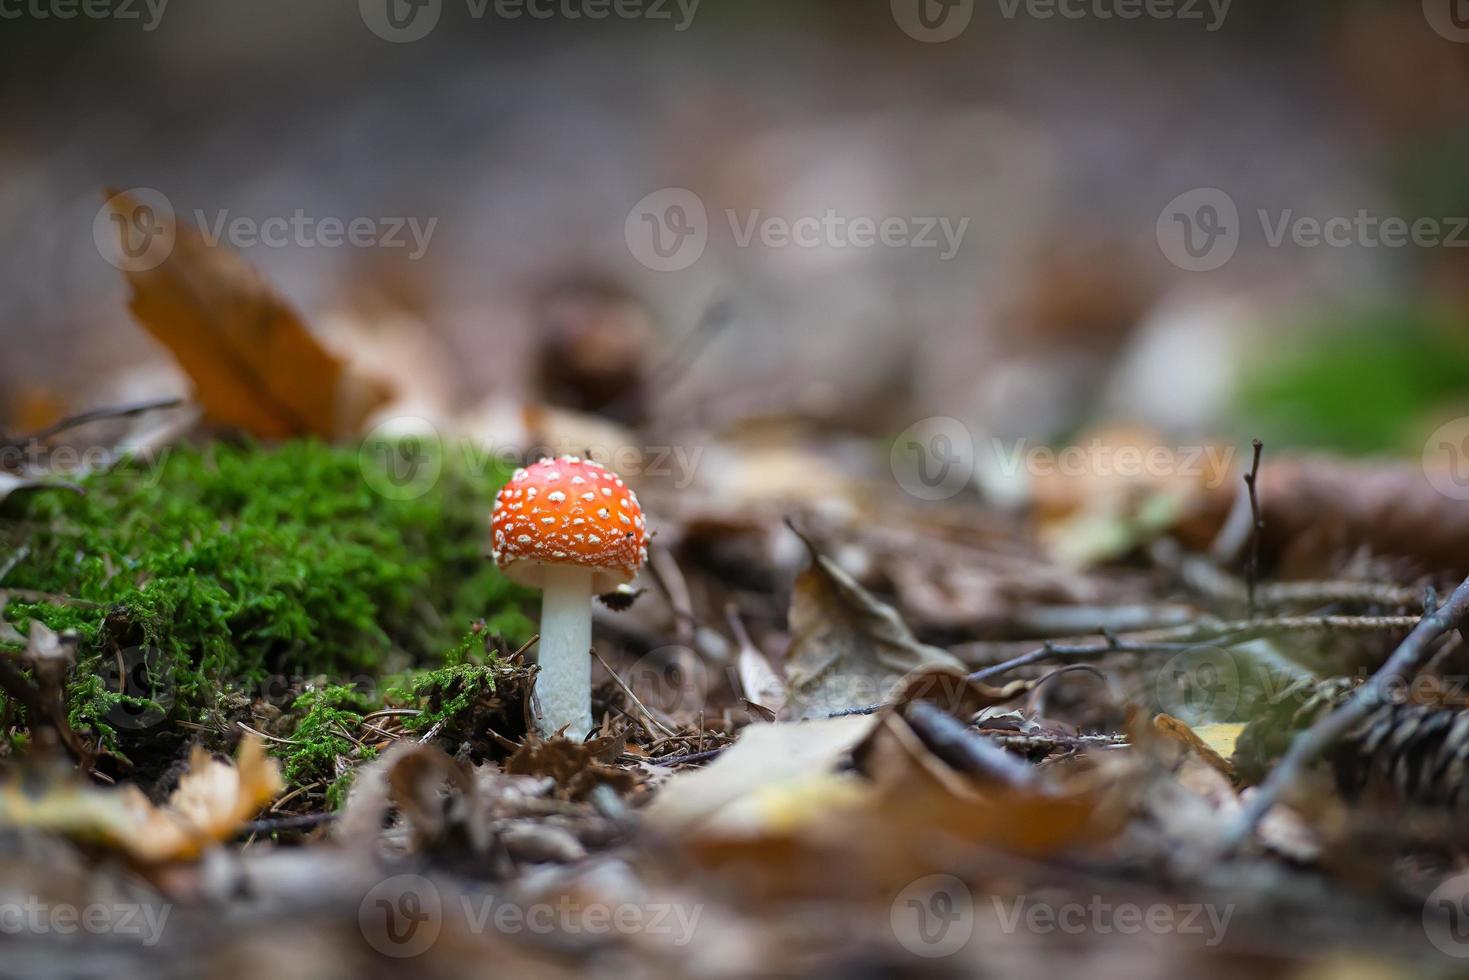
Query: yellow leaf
{"points": [[212, 801]]}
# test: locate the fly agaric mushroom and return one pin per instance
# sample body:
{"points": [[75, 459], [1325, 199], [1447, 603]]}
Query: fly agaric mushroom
{"points": [[572, 529]]}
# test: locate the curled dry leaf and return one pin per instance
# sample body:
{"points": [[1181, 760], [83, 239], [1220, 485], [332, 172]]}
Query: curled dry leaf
{"points": [[10, 483], [847, 648], [212, 801], [254, 363], [577, 767], [436, 796], [955, 692], [736, 793]]}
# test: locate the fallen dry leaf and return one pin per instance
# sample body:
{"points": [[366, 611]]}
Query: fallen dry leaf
{"points": [[748, 783], [212, 801], [1213, 743], [847, 648], [577, 767], [254, 363]]}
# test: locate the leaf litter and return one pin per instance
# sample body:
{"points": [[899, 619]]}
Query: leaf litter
{"points": [[807, 740]]}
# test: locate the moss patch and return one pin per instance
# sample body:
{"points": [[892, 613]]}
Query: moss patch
{"points": [[227, 572]]}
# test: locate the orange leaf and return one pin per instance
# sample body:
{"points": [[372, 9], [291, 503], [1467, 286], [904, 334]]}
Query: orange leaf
{"points": [[254, 363]]}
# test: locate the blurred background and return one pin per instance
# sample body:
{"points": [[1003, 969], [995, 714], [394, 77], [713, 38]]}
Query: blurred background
{"points": [[1066, 151]]}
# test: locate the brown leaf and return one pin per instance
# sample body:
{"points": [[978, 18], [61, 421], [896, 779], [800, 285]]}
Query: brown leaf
{"points": [[437, 796], [254, 363], [1203, 741], [847, 648], [212, 800], [574, 765], [1319, 511]]}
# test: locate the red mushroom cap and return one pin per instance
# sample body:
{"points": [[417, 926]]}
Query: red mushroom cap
{"points": [[568, 511]]}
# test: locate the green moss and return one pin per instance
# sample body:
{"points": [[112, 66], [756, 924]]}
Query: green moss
{"points": [[321, 740], [445, 695], [1375, 382], [227, 571]]}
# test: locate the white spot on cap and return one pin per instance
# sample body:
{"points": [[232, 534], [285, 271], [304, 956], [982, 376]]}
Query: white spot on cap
{"points": [[555, 496], [578, 480], [525, 539], [623, 519], [589, 496], [603, 513], [531, 491], [606, 491], [548, 520], [594, 539]]}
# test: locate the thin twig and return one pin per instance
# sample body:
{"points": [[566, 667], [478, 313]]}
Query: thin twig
{"points": [[673, 760], [106, 412], [1365, 699], [1252, 569], [628, 691], [304, 821], [1190, 637], [269, 738]]}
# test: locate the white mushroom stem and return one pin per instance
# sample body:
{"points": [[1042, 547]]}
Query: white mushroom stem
{"points": [[564, 686]]}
